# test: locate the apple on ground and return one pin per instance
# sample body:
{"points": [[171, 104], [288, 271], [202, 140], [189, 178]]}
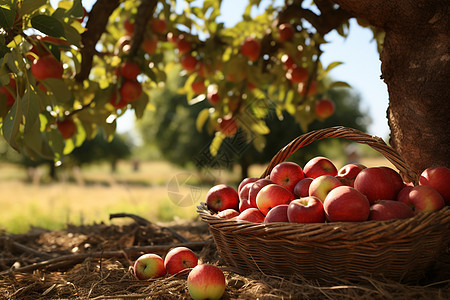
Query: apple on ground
{"points": [[272, 195], [348, 173], [301, 188], [251, 214], [346, 204], [322, 185], [277, 214], [206, 281], [379, 183], [287, 174], [383, 210], [438, 178], [179, 259], [246, 181], [423, 198], [221, 197], [148, 266], [255, 188], [306, 210], [319, 166], [228, 213]]}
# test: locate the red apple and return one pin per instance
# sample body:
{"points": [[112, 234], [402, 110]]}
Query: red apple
{"points": [[312, 88], [349, 172], [213, 96], [403, 195], [149, 266], [301, 189], [189, 62], [277, 214], [255, 188], [306, 210], [67, 128], [251, 48], [272, 195], [10, 98], [183, 44], [117, 104], [245, 181], [438, 178], [324, 108], [198, 87], [243, 197], [379, 183], [150, 45], [285, 32], [179, 259], [129, 26], [251, 214], [221, 197], [287, 61], [389, 209], [297, 74], [346, 204], [206, 282], [424, 198], [205, 70], [159, 25], [130, 90], [130, 70], [228, 213], [319, 166], [287, 174], [47, 67], [322, 185], [228, 125]]}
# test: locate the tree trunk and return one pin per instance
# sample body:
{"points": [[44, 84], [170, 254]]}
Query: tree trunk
{"points": [[415, 67]]}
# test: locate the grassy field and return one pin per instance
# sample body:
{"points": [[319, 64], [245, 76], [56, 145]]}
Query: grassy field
{"points": [[158, 192]]}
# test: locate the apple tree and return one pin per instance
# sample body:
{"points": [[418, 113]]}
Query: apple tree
{"points": [[66, 72]]}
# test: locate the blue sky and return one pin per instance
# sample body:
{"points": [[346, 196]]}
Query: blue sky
{"points": [[361, 68]]}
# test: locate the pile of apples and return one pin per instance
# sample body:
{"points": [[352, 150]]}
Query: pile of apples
{"points": [[319, 192], [205, 281]]}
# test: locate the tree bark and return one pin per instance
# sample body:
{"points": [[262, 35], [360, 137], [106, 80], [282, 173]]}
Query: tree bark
{"points": [[415, 67]]}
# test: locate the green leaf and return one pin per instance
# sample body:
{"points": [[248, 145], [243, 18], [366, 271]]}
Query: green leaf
{"points": [[333, 65], [48, 25], [336, 84], [140, 105], [28, 7], [260, 128], [216, 143], [11, 124], [202, 117], [7, 17], [4, 50], [76, 11], [72, 35], [58, 88]]}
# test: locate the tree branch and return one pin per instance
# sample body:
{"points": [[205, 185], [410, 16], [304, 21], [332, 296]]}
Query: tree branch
{"points": [[144, 14], [96, 26]]}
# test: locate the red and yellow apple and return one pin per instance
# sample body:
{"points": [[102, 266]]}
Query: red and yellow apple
{"points": [[319, 166], [206, 281], [272, 195], [383, 210], [277, 214], [322, 185], [348, 173], [287, 174], [148, 266], [255, 188], [438, 178], [47, 67], [228, 213], [423, 198], [251, 214]]}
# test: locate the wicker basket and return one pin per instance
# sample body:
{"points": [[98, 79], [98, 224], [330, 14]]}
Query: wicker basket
{"points": [[402, 250]]}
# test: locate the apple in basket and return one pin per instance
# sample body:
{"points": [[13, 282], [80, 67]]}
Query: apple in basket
{"points": [[319, 166], [438, 178], [346, 204], [322, 185], [301, 189], [379, 183], [180, 259], [383, 210], [246, 181], [349, 172], [277, 214], [255, 188], [206, 281], [423, 198], [306, 210], [272, 195], [149, 266], [251, 214], [221, 197], [228, 213], [244, 202], [287, 174]]}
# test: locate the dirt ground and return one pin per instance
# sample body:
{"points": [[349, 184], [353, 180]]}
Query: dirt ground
{"points": [[94, 262]]}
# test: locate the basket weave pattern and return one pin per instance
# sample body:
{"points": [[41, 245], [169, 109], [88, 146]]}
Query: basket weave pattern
{"points": [[401, 250]]}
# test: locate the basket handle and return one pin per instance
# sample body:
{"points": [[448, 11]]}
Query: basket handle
{"points": [[351, 134]]}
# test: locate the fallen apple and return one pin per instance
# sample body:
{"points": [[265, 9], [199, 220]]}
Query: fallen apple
{"points": [[149, 266], [206, 281], [180, 259]]}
